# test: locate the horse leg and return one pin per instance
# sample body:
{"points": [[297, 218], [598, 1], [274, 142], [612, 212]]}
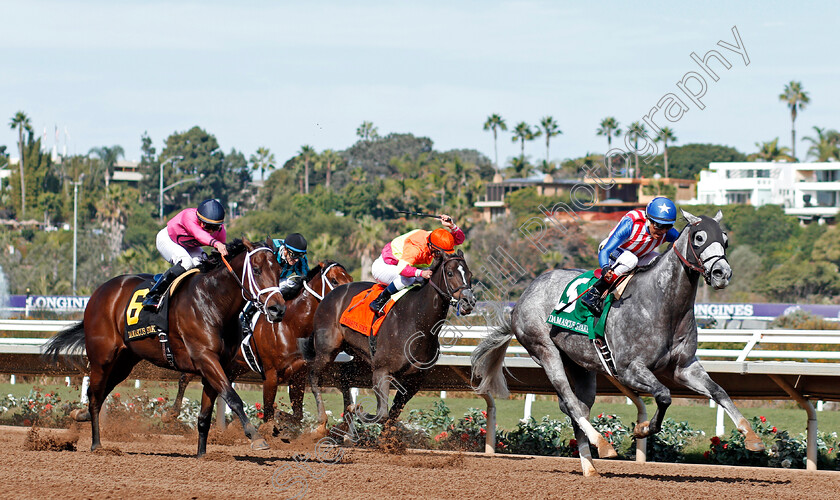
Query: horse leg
{"points": [[103, 379], [344, 384], [183, 382], [404, 393], [297, 389], [205, 416], [269, 394], [639, 378], [578, 412], [315, 385], [695, 377], [214, 375]]}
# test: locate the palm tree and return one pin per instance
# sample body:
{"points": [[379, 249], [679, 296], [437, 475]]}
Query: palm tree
{"points": [[108, 156], [21, 122], [665, 135], [519, 166], [634, 132], [609, 128], [825, 146], [367, 132], [366, 240], [551, 129], [306, 154], [495, 123], [328, 160], [522, 132], [770, 151], [796, 99], [262, 160]]}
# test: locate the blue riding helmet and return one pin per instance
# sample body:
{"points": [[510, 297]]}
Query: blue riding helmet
{"points": [[211, 212], [662, 211]]}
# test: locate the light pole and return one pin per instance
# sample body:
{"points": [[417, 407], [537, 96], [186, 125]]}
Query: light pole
{"points": [[160, 198], [75, 225]]}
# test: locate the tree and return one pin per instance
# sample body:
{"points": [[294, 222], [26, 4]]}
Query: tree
{"points": [[328, 160], [609, 128], [796, 99], [21, 122], [374, 157], [636, 131], [262, 160], [522, 132], [520, 167], [686, 162], [367, 132], [550, 129], [495, 123], [665, 135], [108, 157], [770, 151], [307, 155], [825, 146]]}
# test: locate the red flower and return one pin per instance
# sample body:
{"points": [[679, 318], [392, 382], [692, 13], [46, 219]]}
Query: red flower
{"points": [[500, 445], [601, 415], [725, 445], [49, 394], [342, 414], [442, 435], [26, 421], [260, 415], [706, 454], [762, 418], [465, 436], [608, 433], [774, 430], [483, 413], [160, 400], [117, 395], [575, 453], [715, 440], [48, 407], [482, 431], [258, 406], [573, 443]]}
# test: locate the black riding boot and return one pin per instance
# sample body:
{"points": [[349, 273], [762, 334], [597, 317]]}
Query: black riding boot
{"points": [[290, 288], [379, 304], [594, 298], [152, 300], [246, 317]]}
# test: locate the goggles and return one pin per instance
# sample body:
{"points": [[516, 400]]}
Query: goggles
{"points": [[211, 228], [295, 255], [660, 227]]}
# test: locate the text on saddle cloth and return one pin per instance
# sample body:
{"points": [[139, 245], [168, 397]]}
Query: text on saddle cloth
{"points": [[358, 315], [141, 323], [577, 317]]}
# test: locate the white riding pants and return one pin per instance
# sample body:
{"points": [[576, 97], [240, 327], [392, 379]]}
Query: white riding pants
{"points": [[388, 273], [176, 254], [628, 261]]}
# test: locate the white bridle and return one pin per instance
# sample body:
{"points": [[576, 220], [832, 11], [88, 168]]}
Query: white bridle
{"points": [[324, 283], [256, 292]]}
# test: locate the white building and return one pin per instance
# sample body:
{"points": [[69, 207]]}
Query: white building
{"points": [[806, 190]]}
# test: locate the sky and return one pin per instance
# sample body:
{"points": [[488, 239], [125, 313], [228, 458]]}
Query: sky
{"points": [[284, 74]]}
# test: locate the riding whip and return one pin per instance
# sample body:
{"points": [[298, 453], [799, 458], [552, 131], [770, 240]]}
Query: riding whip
{"points": [[419, 214]]}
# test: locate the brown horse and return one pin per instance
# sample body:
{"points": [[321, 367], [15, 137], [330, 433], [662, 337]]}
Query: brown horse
{"points": [[276, 343], [406, 345], [203, 331]]}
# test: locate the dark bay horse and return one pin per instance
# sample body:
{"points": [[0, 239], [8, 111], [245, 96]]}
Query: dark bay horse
{"points": [[203, 331], [406, 345], [276, 344], [651, 332]]}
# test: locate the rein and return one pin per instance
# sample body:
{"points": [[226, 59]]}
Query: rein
{"points": [[248, 272], [696, 265], [324, 283], [449, 294]]}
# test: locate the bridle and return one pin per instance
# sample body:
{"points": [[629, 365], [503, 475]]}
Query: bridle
{"points": [[325, 283], [699, 265], [253, 288], [449, 294]]}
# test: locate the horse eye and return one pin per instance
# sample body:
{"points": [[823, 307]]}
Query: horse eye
{"points": [[450, 273], [257, 271], [700, 237]]}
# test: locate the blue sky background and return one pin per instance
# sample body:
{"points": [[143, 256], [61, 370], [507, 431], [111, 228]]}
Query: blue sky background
{"points": [[281, 75]]}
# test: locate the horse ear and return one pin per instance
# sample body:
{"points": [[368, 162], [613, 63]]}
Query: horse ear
{"points": [[718, 216], [460, 253], [248, 244], [692, 219]]}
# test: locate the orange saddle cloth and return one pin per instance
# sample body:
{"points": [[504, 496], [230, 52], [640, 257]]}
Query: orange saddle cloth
{"points": [[358, 315]]}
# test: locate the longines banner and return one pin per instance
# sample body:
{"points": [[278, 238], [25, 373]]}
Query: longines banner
{"points": [[49, 302]]}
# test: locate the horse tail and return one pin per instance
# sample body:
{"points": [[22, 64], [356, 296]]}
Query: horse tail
{"points": [[488, 361], [306, 346], [68, 341]]}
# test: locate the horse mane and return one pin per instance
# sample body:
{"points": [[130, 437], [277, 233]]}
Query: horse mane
{"points": [[234, 248], [322, 265]]}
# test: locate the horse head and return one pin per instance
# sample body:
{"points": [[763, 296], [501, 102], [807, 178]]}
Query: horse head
{"points": [[260, 277], [330, 274], [456, 278], [706, 249]]}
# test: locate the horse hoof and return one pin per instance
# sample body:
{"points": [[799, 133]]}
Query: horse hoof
{"points": [[641, 430], [259, 444], [753, 444], [605, 449], [80, 415], [590, 472]]}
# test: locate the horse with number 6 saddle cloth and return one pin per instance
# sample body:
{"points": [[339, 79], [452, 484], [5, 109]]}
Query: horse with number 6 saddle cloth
{"points": [[141, 323], [572, 315]]}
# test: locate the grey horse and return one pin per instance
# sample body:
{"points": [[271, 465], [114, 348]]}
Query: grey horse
{"points": [[651, 332]]}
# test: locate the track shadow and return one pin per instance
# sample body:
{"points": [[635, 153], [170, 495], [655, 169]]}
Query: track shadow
{"points": [[239, 458], [686, 479]]}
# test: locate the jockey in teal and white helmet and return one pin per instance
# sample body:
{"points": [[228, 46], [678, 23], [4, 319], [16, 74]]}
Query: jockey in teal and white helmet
{"points": [[632, 242]]}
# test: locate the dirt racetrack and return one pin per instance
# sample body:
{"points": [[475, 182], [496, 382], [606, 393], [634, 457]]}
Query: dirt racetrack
{"points": [[162, 466]]}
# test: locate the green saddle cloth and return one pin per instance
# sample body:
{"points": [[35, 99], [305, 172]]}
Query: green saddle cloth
{"points": [[577, 317]]}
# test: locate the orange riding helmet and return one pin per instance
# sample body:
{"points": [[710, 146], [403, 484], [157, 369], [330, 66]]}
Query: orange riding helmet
{"points": [[441, 239]]}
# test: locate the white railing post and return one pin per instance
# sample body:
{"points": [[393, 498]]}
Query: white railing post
{"points": [[442, 394], [719, 429], [12, 379], [85, 384], [354, 394], [529, 400]]}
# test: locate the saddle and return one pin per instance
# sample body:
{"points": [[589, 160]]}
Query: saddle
{"points": [[358, 315], [141, 323]]}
